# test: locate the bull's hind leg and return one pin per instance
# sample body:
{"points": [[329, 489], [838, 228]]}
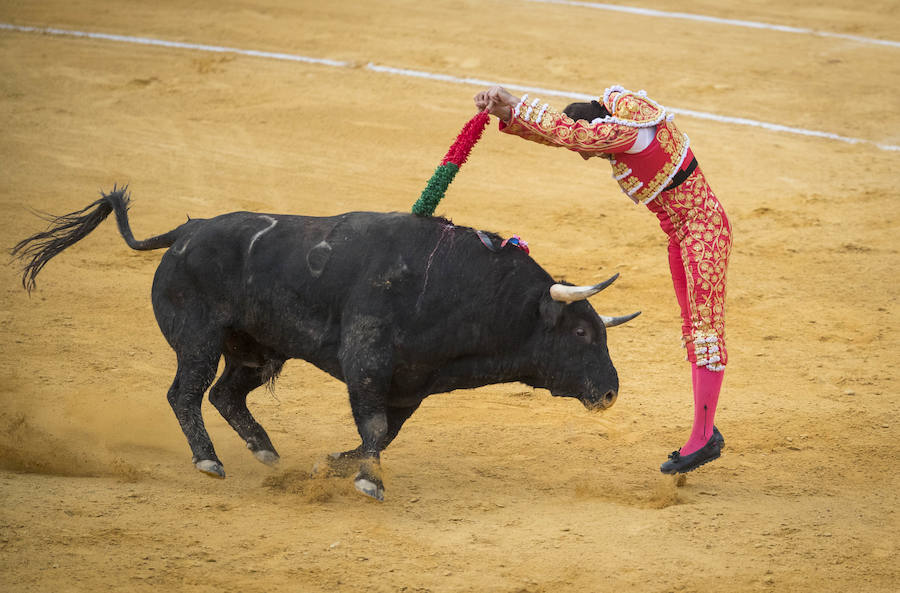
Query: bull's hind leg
{"points": [[229, 396], [195, 374]]}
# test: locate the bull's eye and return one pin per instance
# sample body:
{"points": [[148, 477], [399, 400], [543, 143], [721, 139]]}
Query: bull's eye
{"points": [[584, 333]]}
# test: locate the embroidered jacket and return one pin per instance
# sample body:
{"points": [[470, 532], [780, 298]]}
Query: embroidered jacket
{"points": [[642, 174]]}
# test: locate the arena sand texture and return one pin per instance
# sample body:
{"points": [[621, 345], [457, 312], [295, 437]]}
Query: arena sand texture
{"points": [[502, 489]]}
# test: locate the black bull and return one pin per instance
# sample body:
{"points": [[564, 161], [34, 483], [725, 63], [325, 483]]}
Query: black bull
{"points": [[396, 306]]}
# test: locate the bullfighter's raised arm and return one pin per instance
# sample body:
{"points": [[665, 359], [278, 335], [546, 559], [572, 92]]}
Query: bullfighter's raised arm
{"points": [[537, 121]]}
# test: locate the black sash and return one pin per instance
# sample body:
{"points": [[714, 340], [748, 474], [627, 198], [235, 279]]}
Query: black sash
{"points": [[682, 175]]}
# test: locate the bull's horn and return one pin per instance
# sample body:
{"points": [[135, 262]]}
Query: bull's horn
{"points": [[569, 294], [614, 321]]}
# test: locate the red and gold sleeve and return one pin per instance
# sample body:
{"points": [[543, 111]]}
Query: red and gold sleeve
{"points": [[541, 123]]}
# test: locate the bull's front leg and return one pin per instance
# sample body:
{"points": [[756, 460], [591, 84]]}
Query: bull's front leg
{"points": [[372, 427], [344, 464], [368, 365]]}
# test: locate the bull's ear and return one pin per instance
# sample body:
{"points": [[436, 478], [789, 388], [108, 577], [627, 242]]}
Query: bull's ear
{"points": [[550, 310]]}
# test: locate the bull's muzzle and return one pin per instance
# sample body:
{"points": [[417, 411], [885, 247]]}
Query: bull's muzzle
{"points": [[602, 402]]}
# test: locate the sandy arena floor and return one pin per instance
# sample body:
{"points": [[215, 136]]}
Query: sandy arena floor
{"points": [[502, 489]]}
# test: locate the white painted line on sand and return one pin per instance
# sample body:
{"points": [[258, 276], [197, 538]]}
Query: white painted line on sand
{"points": [[427, 75], [175, 44], [718, 21]]}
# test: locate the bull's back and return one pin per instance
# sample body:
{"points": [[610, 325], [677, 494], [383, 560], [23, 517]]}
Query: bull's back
{"points": [[285, 279], [292, 282], [324, 260]]}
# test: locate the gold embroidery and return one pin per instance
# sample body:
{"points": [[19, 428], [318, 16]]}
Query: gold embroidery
{"points": [[630, 183], [634, 108], [557, 129], [674, 144], [665, 139], [620, 170], [704, 235], [547, 120]]}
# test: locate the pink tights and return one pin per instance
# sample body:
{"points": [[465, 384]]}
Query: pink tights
{"points": [[707, 384]]}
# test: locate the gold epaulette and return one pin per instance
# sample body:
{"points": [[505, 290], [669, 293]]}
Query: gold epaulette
{"points": [[633, 108]]}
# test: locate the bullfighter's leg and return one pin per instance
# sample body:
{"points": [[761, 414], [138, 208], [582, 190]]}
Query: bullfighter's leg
{"points": [[195, 374], [229, 396]]}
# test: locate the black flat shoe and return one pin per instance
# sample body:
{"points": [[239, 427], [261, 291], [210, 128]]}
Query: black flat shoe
{"points": [[680, 464]]}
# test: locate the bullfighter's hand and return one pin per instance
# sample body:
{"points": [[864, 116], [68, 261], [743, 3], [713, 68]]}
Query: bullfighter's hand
{"points": [[498, 101]]}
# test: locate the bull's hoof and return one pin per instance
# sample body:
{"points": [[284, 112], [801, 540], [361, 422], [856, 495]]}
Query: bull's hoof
{"points": [[270, 458], [371, 488], [211, 468]]}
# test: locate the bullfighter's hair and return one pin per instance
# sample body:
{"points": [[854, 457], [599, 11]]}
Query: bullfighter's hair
{"points": [[586, 111]]}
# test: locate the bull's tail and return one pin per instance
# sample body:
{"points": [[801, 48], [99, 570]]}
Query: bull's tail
{"points": [[68, 229]]}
